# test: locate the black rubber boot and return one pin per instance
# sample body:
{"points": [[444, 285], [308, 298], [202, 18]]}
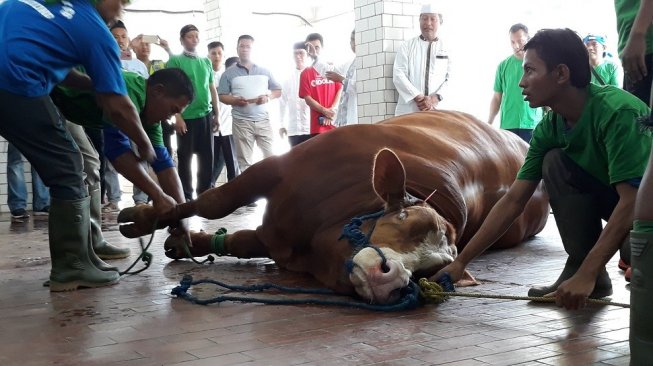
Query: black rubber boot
{"points": [[101, 247], [641, 297], [70, 235], [579, 231]]}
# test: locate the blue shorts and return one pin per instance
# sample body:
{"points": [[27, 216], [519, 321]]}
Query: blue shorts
{"points": [[117, 143]]}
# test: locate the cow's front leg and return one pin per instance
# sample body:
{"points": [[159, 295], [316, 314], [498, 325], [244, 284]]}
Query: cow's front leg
{"points": [[241, 244], [139, 220]]}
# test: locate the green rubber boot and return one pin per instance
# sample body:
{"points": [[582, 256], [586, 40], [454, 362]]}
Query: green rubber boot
{"points": [[579, 232], [641, 298], [70, 235], [101, 247]]}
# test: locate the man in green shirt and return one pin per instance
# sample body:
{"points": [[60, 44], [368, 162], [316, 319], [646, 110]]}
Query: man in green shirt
{"points": [[604, 70], [516, 116], [635, 46], [195, 126], [591, 154]]}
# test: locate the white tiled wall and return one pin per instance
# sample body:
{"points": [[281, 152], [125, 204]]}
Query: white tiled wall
{"points": [[381, 28], [213, 24]]}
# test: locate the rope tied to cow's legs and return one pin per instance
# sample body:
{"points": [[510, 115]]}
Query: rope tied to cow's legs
{"points": [[437, 293], [145, 255]]}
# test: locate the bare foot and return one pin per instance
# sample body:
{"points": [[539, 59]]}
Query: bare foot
{"points": [[467, 280]]}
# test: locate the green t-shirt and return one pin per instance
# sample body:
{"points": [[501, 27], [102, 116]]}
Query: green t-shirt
{"points": [[608, 71], [200, 72], [137, 92], [515, 112], [80, 107], [607, 141], [626, 11]]}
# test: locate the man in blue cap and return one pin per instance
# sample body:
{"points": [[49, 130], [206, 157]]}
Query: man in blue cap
{"points": [[47, 39]]}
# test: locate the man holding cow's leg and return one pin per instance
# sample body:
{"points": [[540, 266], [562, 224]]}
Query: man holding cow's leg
{"points": [[590, 153]]}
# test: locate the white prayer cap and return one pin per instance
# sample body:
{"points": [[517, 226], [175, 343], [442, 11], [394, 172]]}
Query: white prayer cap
{"points": [[431, 7]]}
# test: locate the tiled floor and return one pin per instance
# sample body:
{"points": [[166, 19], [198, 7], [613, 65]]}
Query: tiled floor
{"points": [[137, 322]]}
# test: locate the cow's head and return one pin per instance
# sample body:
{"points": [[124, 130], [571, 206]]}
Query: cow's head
{"points": [[413, 237]]}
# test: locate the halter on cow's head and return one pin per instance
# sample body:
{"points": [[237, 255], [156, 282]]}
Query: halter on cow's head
{"points": [[411, 236]]}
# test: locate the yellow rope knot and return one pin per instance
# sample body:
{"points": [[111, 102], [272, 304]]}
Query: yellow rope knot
{"points": [[431, 292]]}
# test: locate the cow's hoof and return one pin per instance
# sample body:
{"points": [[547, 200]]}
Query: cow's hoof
{"points": [[127, 214], [137, 221], [175, 247]]}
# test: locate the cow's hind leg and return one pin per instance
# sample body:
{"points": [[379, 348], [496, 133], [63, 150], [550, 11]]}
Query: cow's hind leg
{"points": [[241, 244]]}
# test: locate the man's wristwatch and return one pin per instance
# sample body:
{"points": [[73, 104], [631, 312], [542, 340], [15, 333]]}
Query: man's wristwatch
{"points": [[439, 97]]}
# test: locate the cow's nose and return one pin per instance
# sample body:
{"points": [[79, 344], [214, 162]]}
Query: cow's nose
{"points": [[386, 284], [385, 268]]}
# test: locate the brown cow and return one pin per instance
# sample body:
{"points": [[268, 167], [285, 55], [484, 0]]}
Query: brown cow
{"points": [[320, 185]]}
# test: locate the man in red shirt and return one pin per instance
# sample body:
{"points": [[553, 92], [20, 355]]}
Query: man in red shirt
{"points": [[321, 94]]}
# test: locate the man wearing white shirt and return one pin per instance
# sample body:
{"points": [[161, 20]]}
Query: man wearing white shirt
{"points": [[223, 147], [346, 74], [110, 175], [422, 65], [294, 112]]}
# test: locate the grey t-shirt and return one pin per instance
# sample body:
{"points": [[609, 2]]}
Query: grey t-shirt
{"points": [[239, 81]]}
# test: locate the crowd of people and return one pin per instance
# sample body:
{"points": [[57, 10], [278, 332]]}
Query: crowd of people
{"points": [[97, 110]]}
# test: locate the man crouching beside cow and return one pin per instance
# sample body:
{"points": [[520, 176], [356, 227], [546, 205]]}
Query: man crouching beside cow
{"points": [[445, 182], [591, 154]]}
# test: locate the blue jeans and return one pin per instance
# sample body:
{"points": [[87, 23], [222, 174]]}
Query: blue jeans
{"points": [[16, 189], [112, 183]]}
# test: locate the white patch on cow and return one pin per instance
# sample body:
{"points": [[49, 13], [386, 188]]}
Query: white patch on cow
{"points": [[434, 251]]}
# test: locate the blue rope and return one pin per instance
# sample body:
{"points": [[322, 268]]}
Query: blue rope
{"points": [[410, 298], [353, 233], [410, 295]]}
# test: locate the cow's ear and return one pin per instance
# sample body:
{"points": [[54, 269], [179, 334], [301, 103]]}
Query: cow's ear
{"points": [[389, 179]]}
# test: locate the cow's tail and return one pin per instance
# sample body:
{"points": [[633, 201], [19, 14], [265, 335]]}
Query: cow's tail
{"points": [[254, 183]]}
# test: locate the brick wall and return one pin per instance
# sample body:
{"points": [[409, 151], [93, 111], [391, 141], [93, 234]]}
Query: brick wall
{"points": [[381, 28], [213, 30]]}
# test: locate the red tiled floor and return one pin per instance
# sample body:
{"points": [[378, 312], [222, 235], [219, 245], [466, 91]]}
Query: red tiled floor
{"points": [[138, 323]]}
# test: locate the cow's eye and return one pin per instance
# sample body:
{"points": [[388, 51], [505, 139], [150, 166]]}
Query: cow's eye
{"points": [[403, 214]]}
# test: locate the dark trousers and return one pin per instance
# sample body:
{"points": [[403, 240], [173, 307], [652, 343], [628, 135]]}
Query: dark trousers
{"points": [[524, 133], [298, 139], [35, 127], [97, 139], [168, 130], [579, 202], [197, 140], [563, 177], [642, 88], [223, 156]]}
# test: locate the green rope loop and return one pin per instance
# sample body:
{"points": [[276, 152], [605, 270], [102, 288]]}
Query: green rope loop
{"points": [[145, 256]]}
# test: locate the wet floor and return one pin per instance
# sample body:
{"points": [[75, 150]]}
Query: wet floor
{"points": [[138, 322]]}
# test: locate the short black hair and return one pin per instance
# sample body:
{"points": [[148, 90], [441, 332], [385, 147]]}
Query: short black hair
{"points": [[215, 44], [299, 46], [230, 61], [314, 37], [118, 24], [187, 28], [563, 47], [175, 81], [518, 27], [244, 36]]}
